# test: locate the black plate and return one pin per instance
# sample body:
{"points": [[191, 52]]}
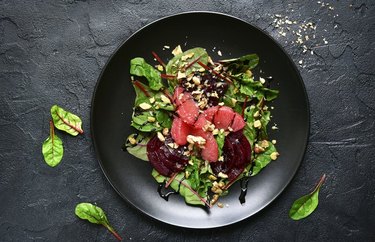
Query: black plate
{"points": [[113, 101]]}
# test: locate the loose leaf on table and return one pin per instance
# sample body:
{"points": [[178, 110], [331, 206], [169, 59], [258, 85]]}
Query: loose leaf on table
{"points": [[66, 121], [139, 146], [139, 67], [95, 215], [52, 148], [307, 204]]}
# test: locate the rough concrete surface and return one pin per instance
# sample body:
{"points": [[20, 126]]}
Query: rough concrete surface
{"points": [[52, 52]]}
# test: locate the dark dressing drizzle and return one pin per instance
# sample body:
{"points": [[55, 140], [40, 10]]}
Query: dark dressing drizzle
{"points": [[243, 184], [165, 196]]}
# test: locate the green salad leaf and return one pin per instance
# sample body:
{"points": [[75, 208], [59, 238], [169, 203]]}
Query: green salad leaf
{"points": [[220, 138], [262, 159], [307, 204], [139, 67], [95, 215], [52, 148], [241, 64], [184, 59], [152, 109], [137, 146], [184, 187], [66, 121]]}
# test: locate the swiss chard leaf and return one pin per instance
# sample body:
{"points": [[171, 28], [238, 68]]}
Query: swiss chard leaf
{"points": [[220, 138], [139, 67], [66, 121], [158, 177], [307, 204], [241, 64], [191, 196], [184, 187], [184, 59], [263, 159], [255, 89], [139, 149], [94, 214], [52, 148]]}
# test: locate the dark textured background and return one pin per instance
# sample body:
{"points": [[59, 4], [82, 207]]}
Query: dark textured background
{"points": [[52, 52]]}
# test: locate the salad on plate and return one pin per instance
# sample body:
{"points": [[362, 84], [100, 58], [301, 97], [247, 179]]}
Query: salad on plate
{"points": [[201, 124]]}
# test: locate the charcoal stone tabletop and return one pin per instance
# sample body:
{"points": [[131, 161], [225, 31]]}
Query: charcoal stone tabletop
{"points": [[52, 52]]}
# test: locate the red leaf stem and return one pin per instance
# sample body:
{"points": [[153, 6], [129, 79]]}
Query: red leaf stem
{"points": [[195, 193], [69, 124], [140, 86], [214, 72], [170, 180], [158, 58]]}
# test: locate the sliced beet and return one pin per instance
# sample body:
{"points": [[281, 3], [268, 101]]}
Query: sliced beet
{"points": [[237, 155], [165, 160]]}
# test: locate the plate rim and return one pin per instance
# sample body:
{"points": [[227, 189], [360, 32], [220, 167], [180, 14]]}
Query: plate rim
{"points": [[95, 145]]}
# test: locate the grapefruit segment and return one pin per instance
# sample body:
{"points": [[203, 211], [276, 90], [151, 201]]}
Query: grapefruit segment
{"points": [[188, 111], [223, 117], [238, 123], [180, 130]]}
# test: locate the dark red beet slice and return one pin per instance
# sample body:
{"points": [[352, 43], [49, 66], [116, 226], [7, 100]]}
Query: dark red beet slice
{"points": [[164, 159], [237, 155]]}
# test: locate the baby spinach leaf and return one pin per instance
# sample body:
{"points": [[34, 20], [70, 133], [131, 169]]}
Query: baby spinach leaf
{"points": [[241, 64], [139, 149], [263, 159], [180, 61], [220, 138], [52, 148], [158, 177], [139, 67], [307, 204], [191, 196], [96, 215], [66, 121]]}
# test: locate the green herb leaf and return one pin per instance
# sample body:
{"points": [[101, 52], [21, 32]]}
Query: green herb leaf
{"points": [[66, 121], [307, 204], [52, 148], [180, 61], [241, 64], [158, 177], [139, 149], [139, 67], [263, 159], [96, 215], [220, 138], [191, 196]]}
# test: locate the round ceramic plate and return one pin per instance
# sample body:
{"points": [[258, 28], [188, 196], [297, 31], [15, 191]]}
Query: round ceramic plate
{"points": [[114, 97]]}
